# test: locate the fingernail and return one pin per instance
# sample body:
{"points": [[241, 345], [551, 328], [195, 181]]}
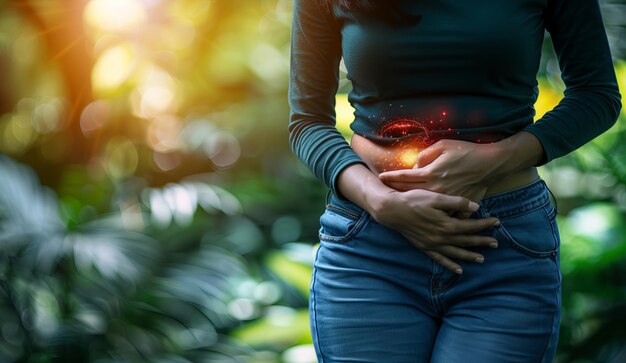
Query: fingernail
{"points": [[497, 223], [480, 259], [459, 271], [474, 206], [493, 245]]}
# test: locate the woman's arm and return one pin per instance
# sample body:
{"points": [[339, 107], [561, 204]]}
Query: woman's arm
{"points": [[422, 216], [313, 83], [592, 101], [591, 105]]}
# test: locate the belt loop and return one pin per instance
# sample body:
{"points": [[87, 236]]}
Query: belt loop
{"points": [[556, 208]]}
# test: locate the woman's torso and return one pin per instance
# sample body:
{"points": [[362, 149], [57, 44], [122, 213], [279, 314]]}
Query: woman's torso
{"points": [[460, 70], [464, 70]]}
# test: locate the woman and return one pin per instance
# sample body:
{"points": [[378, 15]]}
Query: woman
{"points": [[439, 240]]}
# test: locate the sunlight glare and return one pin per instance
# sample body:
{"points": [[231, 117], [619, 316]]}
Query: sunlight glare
{"points": [[113, 68], [115, 15], [156, 100]]}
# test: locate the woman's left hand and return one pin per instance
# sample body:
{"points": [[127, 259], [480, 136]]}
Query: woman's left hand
{"points": [[448, 166]]}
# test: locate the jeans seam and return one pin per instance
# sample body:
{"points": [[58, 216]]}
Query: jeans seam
{"points": [[525, 209], [554, 317], [344, 211], [504, 233], [448, 284], [314, 302], [557, 239], [358, 225], [508, 238], [433, 293], [556, 207]]}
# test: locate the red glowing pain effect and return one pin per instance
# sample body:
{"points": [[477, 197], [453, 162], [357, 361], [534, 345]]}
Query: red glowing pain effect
{"points": [[404, 153], [403, 127]]}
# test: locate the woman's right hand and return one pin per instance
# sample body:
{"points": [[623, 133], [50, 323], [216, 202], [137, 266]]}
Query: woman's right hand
{"points": [[423, 217]]}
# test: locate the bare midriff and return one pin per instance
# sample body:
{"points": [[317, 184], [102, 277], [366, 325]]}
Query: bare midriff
{"points": [[403, 155]]}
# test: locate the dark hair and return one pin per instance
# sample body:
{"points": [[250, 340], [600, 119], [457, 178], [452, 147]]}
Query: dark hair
{"points": [[385, 10]]}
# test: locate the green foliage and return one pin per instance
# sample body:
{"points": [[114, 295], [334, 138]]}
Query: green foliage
{"points": [[104, 291]]}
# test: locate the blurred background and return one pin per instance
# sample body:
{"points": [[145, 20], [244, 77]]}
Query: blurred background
{"points": [[152, 211]]}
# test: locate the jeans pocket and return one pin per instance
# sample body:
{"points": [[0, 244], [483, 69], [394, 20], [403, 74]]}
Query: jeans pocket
{"points": [[339, 224], [533, 232]]}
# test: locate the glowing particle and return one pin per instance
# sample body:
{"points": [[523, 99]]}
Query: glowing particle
{"points": [[409, 157], [402, 127]]}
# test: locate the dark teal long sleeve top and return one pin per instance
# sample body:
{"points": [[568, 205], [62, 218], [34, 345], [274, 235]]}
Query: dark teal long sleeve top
{"points": [[459, 69]]}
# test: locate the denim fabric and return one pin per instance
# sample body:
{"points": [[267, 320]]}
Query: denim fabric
{"points": [[375, 297]]}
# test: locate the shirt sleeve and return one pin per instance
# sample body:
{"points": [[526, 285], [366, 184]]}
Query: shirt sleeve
{"points": [[592, 102], [314, 79]]}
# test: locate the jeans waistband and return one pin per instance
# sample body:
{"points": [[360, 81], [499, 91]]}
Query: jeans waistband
{"points": [[522, 198]]}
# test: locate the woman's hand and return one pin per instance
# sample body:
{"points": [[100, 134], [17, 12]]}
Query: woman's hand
{"points": [[452, 167], [422, 216]]}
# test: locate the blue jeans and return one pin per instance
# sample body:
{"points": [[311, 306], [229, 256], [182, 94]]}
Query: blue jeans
{"points": [[375, 297]]}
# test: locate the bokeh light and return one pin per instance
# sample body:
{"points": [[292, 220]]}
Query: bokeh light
{"points": [[113, 68], [115, 15]]}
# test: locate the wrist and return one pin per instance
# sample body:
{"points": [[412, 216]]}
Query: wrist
{"points": [[515, 153], [361, 186], [503, 161], [375, 194]]}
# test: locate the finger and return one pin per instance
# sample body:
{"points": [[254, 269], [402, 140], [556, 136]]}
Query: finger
{"points": [[406, 186], [444, 261], [460, 253], [428, 155], [438, 146], [404, 175], [468, 240], [455, 203], [463, 215], [462, 226]]}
